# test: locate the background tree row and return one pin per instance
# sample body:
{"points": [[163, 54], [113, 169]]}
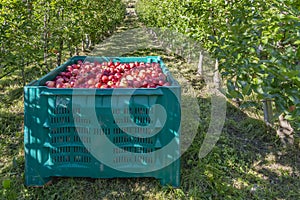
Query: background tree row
{"points": [[45, 33], [256, 43]]}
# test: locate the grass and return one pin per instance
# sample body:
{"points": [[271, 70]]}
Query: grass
{"points": [[248, 161]]}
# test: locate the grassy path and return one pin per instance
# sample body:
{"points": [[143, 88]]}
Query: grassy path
{"points": [[248, 162], [128, 37]]}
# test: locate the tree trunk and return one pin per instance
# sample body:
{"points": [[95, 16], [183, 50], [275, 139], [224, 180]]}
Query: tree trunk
{"points": [[61, 40], [70, 49], [76, 51], [59, 54], [45, 37], [82, 44], [23, 71]]}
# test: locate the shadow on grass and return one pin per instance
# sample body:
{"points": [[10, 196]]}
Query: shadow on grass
{"points": [[10, 132], [12, 95], [11, 159], [248, 162]]}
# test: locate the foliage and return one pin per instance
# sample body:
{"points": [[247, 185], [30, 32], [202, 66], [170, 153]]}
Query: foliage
{"points": [[256, 43], [40, 31]]}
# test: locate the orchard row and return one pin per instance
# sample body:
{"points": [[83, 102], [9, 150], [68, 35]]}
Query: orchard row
{"points": [[45, 33], [256, 43]]}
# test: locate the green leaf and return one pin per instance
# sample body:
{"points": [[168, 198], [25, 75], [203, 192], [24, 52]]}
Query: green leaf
{"points": [[297, 42], [6, 184], [247, 89]]}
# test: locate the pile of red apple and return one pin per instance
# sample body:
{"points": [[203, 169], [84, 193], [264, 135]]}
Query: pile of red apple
{"points": [[110, 75]]}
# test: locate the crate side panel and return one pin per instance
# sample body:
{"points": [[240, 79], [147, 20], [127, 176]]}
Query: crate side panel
{"points": [[36, 138]]}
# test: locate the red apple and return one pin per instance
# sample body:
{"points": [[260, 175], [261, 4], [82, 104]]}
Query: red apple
{"points": [[110, 64], [110, 77], [91, 81], [60, 80], [50, 84], [161, 82], [118, 75], [76, 66], [59, 85], [103, 86], [123, 84], [104, 79], [137, 84], [117, 64], [75, 72], [129, 77], [98, 85], [67, 85], [132, 65], [110, 83]]}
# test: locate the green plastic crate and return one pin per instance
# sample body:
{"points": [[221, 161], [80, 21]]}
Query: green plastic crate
{"points": [[102, 133]]}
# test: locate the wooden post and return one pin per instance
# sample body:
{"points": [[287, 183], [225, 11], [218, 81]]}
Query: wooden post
{"points": [[87, 41], [200, 64], [268, 111], [216, 77]]}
